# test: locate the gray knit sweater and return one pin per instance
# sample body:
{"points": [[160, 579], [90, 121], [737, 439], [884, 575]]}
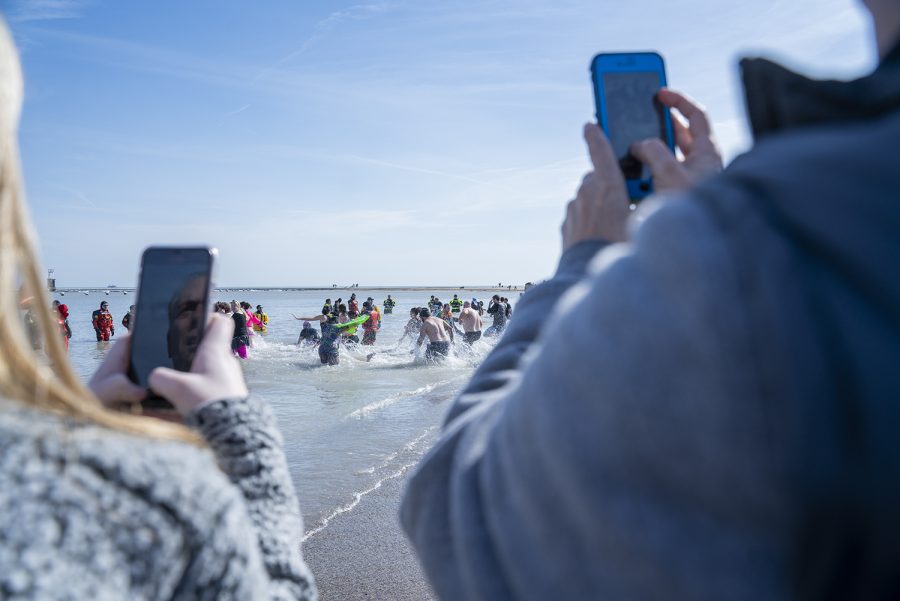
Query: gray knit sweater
{"points": [[88, 513]]}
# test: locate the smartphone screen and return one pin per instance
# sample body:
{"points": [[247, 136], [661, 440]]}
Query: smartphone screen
{"points": [[633, 114], [171, 311]]}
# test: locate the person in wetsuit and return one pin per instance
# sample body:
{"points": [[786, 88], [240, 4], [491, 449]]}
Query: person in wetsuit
{"points": [[263, 319], [63, 320], [331, 337], [497, 309], [128, 319], [455, 305], [103, 323], [241, 339], [371, 325], [389, 305], [308, 335]]}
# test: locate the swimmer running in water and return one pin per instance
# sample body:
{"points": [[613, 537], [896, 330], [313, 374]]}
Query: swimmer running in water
{"points": [[241, 338], [308, 335], [413, 326], [438, 333], [498, 310], [372, 325], [471, 322], [331, 337]]}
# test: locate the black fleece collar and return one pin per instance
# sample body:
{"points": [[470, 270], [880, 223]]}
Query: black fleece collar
{"points": [[779, 99]]}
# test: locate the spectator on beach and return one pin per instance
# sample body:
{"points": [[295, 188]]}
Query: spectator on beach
{"points": [[102, 504], [724, 424]]}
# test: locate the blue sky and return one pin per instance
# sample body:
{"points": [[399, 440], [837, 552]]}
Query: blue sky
{"points": [[385, 143]]}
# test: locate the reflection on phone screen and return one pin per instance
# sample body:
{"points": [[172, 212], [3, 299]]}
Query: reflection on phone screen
{"points": [[171, 311], [633, 114]]}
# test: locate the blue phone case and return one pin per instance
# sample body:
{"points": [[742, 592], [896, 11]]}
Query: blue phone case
{"points": [[624, 63]]}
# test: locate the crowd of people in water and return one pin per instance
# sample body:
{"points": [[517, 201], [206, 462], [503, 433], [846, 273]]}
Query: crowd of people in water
{"points": [[436, 323]]}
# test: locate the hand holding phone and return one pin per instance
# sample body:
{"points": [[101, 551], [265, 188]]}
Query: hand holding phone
{"points": [[628, 109], [693, 137], [170, 314], [214, 376], [600, 208]]}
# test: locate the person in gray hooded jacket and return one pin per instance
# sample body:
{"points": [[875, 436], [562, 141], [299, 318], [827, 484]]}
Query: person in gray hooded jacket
{"points": [[725, 426]]}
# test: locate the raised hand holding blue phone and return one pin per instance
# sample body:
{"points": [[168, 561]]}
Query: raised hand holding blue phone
{"points": [[626, 87]]}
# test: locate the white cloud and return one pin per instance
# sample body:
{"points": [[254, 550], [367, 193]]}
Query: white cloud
{"points": [[323, 27], [46, 10]]}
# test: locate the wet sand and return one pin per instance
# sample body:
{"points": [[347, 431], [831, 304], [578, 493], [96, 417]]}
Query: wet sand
{"points": [[363, 554]]}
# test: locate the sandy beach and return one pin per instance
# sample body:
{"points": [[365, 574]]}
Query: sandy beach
{"points": [[363, 554]]}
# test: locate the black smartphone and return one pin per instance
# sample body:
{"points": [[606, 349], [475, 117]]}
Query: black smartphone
{"points": [[625, 95], [171, 313]]}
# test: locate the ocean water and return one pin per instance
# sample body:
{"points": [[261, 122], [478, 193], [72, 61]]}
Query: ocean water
{"points": [[347, 428]]}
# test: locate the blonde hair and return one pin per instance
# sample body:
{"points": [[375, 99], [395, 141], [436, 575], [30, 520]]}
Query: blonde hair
{"points": [[24, 375]]}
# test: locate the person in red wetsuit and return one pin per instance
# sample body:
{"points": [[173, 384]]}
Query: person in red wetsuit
{"points": [[104, 326], [62, 318], [372, 325]]}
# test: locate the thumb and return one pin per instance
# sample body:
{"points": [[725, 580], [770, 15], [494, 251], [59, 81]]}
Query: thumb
{"points": [[117, 388], [219, 332], [600, 150], [172, 384], [663, 164]]}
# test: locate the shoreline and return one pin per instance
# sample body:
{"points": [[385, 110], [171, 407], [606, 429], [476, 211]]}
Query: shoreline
{"points": [[364, 555], [301, 289]]}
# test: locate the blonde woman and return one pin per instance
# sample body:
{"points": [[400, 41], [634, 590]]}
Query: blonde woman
{"points": [[98, 504]]}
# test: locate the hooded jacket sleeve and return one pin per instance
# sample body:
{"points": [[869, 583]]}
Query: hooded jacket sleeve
{"points": [[595, 453], [249, 448]]}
